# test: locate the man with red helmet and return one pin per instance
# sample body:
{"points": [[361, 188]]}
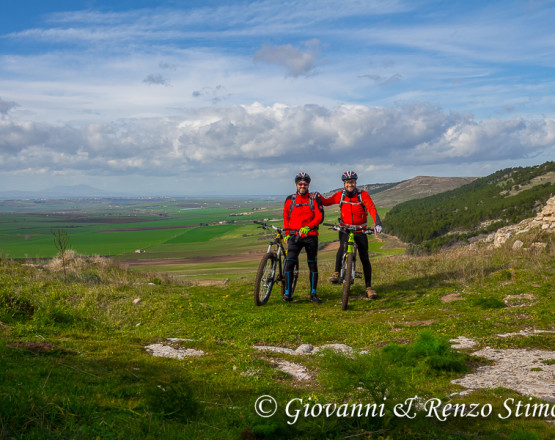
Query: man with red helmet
{"points": [[355, 205], [301, 217]]}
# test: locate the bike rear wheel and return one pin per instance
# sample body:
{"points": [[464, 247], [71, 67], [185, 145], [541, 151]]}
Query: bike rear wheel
{"points": [[347, 281], [266, 277]]}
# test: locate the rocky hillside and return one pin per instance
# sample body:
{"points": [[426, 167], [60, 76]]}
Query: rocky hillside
{"points": [[544, 221]]}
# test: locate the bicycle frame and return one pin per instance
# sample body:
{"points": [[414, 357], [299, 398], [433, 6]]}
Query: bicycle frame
{"points": [[350, 247], [276, 245], [348, 262], [272, 262]]}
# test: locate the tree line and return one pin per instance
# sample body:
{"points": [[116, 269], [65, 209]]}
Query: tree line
{"points": [[481, 206]]}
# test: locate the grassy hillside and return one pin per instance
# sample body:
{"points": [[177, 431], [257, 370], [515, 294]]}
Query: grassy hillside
{"points": [[417, 188], [387, 195], [74, 364], [505, 197]]}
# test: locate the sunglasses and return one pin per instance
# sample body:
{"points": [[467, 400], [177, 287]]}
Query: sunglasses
{"points": [[303, 184]]}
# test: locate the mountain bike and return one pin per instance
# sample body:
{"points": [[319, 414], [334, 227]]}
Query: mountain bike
{"points": [[270, 269], [348, 262]]}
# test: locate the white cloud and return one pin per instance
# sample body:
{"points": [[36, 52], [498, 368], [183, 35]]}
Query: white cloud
{"points": [[267, 137], [156, 78], [297, 61], [6, 106]]}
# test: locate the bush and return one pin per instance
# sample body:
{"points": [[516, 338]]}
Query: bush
{"points": [[428, 352], [489, 303]]}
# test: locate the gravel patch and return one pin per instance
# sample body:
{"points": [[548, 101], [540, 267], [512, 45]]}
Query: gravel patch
{"points": [[161, 350], [462, 342], [297, 371], [518, 369]]}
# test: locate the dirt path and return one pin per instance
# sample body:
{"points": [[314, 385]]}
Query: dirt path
{"points": [[214, 259]]}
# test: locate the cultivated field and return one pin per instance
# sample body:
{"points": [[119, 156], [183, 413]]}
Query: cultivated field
{"points": [[193, 239]]}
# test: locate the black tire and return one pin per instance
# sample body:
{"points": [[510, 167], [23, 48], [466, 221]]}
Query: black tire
{"points": [[347, 282], [265, 278], [295, 277], [342, 270]]}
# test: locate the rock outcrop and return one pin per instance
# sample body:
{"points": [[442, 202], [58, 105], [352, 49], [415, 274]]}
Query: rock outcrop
{"points": [[545, 221]]}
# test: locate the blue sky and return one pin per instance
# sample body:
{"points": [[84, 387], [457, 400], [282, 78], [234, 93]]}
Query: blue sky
{"points": [[236, 97]]}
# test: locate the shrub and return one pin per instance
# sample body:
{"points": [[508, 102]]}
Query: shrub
{"points": [[428, 352], [489, 303]]}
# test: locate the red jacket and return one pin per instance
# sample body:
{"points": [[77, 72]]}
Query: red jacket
{"points": [[353, 212], [302, 214]]}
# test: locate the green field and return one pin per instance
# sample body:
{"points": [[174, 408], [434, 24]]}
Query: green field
{"points": [[161, 229], [119, 228]]}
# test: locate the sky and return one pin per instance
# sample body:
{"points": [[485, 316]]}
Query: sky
{"points": [[210, 97]]}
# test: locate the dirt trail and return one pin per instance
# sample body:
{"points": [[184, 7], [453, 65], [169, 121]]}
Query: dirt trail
{"points": [[193, 260]]}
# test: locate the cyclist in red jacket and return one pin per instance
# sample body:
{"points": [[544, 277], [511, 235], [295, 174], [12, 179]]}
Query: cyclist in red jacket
{"points": [[355, 205], [301, 217]]}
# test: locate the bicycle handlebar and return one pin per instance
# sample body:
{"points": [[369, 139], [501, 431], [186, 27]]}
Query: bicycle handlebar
{"points": [[265, 225], [350, 228]]}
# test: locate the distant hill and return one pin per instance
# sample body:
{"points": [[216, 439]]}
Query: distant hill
{"points": [[387, 195], [484, 205], [60, 192], [416, 188]]}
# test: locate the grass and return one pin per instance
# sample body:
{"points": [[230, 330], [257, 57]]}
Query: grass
{"points": [[74, 364]]}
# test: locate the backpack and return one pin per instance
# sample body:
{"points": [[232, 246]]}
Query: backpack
{"points": [[294, 204], [360, 201]]}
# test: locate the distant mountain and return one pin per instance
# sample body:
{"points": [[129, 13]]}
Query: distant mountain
{"points": [[387, 195], [482, 206], [61, 192]]}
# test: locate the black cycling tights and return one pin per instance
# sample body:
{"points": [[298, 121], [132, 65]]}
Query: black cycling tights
{"points": [[362, 244], [295, 244]]}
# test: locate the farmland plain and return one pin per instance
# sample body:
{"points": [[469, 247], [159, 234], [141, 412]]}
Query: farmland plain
{"points": [[196, 238]]}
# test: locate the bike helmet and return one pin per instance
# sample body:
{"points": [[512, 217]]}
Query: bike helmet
{"points": [[302, 176], [349, 175]]}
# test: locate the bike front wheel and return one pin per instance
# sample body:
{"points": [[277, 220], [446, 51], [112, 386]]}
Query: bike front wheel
{"points": [[265, 278], [347, 281]]}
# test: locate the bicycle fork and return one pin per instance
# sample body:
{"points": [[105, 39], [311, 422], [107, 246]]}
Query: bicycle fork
{"points": [[351, 249]]}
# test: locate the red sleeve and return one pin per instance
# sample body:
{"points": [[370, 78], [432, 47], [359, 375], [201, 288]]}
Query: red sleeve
{"points": [[286, 209], [317, 217], [333, 200], [370, 207]]}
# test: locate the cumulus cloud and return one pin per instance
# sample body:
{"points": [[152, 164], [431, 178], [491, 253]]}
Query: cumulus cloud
{"points": [[6, 106], [156, 79], [272, 137], [297, 61]]}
